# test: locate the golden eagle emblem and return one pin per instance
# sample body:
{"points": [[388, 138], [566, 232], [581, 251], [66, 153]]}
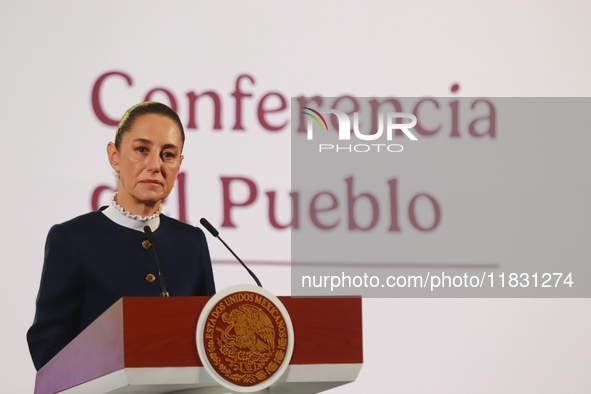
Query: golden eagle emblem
{"points": [[246, 341], [248, 327]]}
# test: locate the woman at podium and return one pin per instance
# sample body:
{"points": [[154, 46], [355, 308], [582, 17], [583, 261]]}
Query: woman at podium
{"points": [[128, 248]]}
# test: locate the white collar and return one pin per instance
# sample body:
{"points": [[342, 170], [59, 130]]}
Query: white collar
{"points": [[117, 214]]}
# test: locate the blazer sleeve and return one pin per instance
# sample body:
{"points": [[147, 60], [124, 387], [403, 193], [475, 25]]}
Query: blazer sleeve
{"points": [[59, 301]]}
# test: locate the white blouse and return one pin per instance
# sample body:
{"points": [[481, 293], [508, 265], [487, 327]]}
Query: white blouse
{"points": [[117, 214]]}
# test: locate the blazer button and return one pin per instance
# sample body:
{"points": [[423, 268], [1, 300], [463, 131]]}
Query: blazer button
{"points": [[146, 244], [150, 278]]}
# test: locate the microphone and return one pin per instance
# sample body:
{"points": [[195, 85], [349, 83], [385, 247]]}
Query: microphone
{"points": [[150, 236], [216, 234]]}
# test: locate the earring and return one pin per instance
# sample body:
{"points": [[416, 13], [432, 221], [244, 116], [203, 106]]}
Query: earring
{"points": [[117, 174]]}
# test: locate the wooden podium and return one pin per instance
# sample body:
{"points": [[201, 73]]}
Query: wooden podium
{"points": [[148, 345]]}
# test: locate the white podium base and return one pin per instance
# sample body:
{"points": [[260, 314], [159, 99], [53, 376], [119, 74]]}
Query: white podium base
{"points": [[217, 390], [196, 380]]}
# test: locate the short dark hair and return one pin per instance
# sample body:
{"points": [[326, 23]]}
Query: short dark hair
{"points": [[145, 108]]}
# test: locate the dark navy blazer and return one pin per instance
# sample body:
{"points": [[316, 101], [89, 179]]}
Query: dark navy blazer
{"points": [[91, 262]]}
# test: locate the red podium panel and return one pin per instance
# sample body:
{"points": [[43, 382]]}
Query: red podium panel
{"points": [[148, 345]]}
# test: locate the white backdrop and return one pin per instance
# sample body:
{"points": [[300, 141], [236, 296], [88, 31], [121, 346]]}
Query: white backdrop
{"points": [[54, 52]]}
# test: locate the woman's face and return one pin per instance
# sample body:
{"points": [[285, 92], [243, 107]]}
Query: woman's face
{"points": [[148, 163]]}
